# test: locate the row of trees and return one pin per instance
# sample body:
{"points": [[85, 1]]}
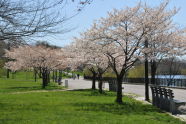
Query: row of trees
{"points": [[117, 42], [38, 58], [127, 35], [24, 20]]}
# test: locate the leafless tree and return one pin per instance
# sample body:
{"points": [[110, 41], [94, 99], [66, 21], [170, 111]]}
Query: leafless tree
{"points": [[25, 18]]}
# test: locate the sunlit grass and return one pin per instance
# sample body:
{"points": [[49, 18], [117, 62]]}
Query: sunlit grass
{"points": [[20, 106]]}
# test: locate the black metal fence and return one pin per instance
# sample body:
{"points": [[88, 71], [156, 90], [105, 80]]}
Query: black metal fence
{"points": [[181, 83], [177, 83]]}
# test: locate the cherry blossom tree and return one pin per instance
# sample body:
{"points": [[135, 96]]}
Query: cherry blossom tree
{"points": [[120, 34], [96, 61], [164, 46], [36, 57], [91, 55], [165, 39], [25, 20], [123, 33]]}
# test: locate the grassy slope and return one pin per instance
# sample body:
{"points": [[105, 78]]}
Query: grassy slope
{"points": [[72, 107]]}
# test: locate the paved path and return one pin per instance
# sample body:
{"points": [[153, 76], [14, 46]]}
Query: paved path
{"points": [[180, 94], [78, 83]]}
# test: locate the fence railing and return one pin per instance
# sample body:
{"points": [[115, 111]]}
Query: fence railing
{"points": [[171, 82], [177, 83]]}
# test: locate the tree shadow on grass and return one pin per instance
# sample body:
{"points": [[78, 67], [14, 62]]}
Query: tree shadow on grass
{"points": [[28, 88], [90, 92], [33, 87], [84, 89], [25, 88], [120, 109]]}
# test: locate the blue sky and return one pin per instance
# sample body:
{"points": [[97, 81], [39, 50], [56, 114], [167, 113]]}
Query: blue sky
{"points": [[99, 8]]}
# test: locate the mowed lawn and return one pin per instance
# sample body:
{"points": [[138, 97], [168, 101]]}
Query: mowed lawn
{"points": [[17, 106]]}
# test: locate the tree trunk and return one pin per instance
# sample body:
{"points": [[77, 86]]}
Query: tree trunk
{"points": [[8, 73], [94, 81], [40, 73], [100, 84], [60, 75], [35, 75], [119, 90], [53, 75], [44, 78], [56, 76], [146, 81], [146, 74], [8, 70], [153, 72], [48, 77]]}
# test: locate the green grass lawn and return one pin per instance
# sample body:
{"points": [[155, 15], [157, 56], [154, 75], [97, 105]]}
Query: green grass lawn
{"points": [[22, 85], [72, 107]]}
